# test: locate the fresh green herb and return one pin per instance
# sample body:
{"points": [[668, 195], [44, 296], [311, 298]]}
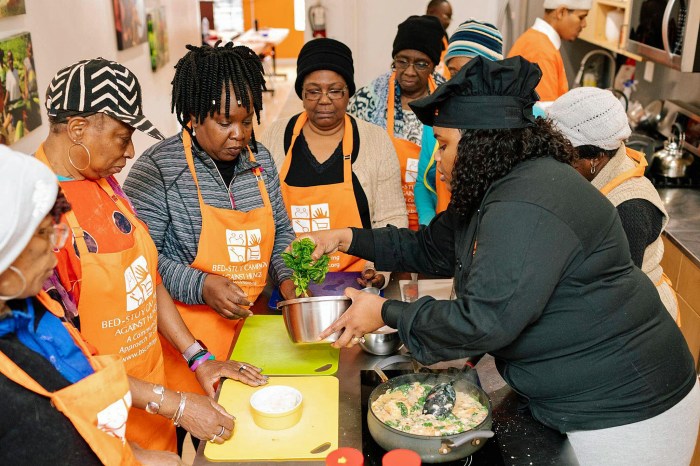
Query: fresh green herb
{"points": [[392, 423], [403, 408], [404, 388], [427, 424], [304, 269]]}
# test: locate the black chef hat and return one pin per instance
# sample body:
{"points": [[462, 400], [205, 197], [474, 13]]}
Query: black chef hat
{"points": [[484, 94], [422, 33], [325, 54]]}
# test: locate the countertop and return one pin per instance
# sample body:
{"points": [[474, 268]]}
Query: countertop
{"points": [[683, 229], [522, 440]]}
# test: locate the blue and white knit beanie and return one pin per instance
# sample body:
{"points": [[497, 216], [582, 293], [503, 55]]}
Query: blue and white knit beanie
{"points": [[474, 38]]}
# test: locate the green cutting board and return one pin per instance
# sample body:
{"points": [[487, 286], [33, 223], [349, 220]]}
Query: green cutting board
{"points": [[264, 342]]}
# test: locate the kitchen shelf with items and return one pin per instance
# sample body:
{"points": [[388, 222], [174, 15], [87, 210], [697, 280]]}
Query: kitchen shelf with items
{"points": [[608, 21]]}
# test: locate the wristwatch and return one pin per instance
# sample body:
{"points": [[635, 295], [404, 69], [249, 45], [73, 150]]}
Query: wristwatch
{"points": [[152, 407], [193, 349]]}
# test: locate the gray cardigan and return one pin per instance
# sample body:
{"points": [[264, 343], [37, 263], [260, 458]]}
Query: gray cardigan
{"points": [[163, 192]]}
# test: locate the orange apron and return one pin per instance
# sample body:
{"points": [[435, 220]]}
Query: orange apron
{"points": [[241, 255], [315, 208], [97, 405], [408, 154], [635, 172], [118, 312]]}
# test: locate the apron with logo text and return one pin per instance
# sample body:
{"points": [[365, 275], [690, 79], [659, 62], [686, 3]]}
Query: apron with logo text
{"points": [[233, 244], [97, 405], [118, 311], [323, 207], [407, 152]]}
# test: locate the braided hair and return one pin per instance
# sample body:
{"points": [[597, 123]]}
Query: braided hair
{"points": [[202, 74]]}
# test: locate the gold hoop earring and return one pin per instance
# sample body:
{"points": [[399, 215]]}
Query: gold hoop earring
{"points": [[86, 150], [24, 284]]}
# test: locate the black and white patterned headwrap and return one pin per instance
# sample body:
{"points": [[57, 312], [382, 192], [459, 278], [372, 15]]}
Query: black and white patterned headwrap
{"points": [[98, 86]]}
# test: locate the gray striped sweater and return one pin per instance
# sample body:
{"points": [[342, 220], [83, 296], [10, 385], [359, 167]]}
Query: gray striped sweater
{"points": [[163, 192]]}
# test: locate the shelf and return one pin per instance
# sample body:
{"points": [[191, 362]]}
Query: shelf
{"points": [[612, 46], [622, 4]]}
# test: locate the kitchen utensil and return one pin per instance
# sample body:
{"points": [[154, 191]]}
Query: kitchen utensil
{"points": [[653, 113], [432, 449], [306, 318], [318, 423], [672, 160], [280, 355], [381, 344], [267, 411]]}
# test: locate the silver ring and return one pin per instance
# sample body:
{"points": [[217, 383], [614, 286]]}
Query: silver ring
{"points": [[358, 339], [242, 368], [213, 438], [221, 434]]}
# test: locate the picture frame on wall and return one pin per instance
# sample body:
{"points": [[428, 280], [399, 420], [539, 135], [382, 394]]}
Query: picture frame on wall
{"points": [[158, 37], [129, 23], [12, 8], [20, 107]]}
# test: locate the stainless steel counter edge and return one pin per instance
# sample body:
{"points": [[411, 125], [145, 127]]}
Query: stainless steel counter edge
{"points": [[683, 229]]}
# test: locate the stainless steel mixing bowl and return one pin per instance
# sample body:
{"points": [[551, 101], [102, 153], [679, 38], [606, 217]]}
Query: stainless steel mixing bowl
{"points": [[381, 344], [306, 318]]}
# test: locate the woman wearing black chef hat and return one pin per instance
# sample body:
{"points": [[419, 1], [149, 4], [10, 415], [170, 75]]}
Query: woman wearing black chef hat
{"points": [[543, 278]]}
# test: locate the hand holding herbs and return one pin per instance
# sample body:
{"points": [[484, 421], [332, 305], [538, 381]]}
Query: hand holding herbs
{"points": [[305, 269]]}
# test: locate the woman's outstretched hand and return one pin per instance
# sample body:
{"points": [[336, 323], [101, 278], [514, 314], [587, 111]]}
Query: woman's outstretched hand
{"points": [[363, 316]]}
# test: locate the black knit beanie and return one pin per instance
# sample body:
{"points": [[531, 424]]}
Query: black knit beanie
{"points": [[422, 33], [325, 54]]}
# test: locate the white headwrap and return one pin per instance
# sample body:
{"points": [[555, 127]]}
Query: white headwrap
{"points": [[571, 4], [28, 190], [591, 116]]}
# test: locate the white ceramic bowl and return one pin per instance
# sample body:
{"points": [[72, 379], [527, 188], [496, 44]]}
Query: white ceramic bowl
{"points": [[276, 407]]}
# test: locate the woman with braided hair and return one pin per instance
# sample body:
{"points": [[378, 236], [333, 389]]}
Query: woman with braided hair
{"points": [[211, 198]]}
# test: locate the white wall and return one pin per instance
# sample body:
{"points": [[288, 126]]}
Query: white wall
{"points": [[66, 31], [368, 27]]}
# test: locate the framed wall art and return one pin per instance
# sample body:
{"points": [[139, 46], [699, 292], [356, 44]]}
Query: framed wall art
{"points": [[20, 108]]}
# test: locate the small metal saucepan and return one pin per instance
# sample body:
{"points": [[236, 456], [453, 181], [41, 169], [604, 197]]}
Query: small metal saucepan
{"points": [[432, 449]]}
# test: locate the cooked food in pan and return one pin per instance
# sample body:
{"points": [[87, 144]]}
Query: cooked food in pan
{"points": [[402, 408]]}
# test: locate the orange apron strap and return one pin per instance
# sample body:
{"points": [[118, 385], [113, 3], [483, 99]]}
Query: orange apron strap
{"points": [[390, 107], [187, 143], [15, 373], [635, 172], [301, 121]]}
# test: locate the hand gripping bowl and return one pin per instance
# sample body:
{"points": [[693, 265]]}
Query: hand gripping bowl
{"points": [[306, 318], [276, 407]]}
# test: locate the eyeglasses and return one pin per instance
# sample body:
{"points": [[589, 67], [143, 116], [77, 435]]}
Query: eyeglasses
{"points": [[402, 64], [316, 94], [57, 235]]}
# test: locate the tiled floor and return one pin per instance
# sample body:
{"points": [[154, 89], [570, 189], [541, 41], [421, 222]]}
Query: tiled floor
{"points": [[283, 103]]}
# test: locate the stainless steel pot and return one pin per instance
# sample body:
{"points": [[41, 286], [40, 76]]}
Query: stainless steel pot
{"points": [[432, 449]]}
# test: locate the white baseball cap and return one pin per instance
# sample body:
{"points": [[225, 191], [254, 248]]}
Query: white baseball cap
{"points": [[28, 191]]}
